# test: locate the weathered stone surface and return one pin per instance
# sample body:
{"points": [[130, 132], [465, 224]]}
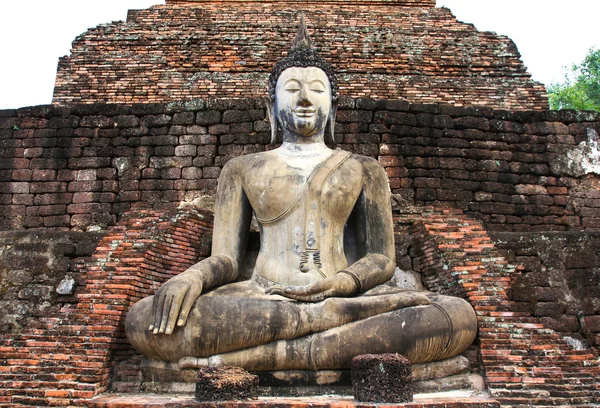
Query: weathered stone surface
{"points": [[440, 369], [382, 378], [37, 269], [473, 382], [66, 286], [580, 160], [407, 280], [225, 384], [559, 279]]}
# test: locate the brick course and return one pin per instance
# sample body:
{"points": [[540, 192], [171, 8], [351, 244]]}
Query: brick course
{"points": [[225, 49], [498, 166]]}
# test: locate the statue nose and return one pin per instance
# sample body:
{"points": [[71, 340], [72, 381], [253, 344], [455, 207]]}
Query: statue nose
{"points": [[304, 101]]}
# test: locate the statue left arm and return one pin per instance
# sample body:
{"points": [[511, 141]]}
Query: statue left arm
{"points": [[374, 230], [375, 236]]}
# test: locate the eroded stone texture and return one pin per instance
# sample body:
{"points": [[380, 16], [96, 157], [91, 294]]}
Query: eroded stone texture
{"points": [[382, 378], [383, 50], [473, 382], [39, 273], [440, 369], [559, 281], [225, 384], [580, 160]]}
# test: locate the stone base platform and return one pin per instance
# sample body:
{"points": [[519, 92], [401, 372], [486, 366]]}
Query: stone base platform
{"points": [[442, 400], [440, 377]]}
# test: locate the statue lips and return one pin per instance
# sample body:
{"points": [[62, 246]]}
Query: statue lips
{"points": [[305, 113]]}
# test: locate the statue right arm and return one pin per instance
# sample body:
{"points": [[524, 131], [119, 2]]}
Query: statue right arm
{"points": [[175, 299]]}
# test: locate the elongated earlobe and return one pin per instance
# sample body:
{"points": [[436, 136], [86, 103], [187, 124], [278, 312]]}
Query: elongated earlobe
{"points": [[330, 130], [272, 120]]}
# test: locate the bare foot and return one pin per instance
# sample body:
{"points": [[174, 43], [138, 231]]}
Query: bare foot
{"points": [[192, 362]]}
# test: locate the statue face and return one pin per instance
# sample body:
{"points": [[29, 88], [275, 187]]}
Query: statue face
{"points": [[303, 100]]}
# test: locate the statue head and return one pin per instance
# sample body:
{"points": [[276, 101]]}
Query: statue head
{"points": [[302, 91]]}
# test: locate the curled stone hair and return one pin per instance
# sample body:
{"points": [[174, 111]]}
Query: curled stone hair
{"points": [[302, 54]]}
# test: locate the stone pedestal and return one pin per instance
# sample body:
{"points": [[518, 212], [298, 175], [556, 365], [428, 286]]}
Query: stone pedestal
{"points": [[443, 376]]}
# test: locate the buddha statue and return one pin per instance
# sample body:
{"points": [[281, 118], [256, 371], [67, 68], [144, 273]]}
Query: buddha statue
{"points": [[318, 295]]}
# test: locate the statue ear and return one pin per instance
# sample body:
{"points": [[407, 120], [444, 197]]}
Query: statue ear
{"points": [[330, 131], [272, 120]]}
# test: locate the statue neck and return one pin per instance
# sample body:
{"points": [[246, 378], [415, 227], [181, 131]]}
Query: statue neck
{"points": [[304, 150], [297, 144], [309, 150]]}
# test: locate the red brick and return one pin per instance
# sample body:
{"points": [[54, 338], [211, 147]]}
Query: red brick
{"points": [[43, 175], [21, 175], [57, 221], [592, 323], [48, 187]]}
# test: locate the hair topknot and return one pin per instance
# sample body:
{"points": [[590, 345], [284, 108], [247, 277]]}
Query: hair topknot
{"points": [[302, 54]]}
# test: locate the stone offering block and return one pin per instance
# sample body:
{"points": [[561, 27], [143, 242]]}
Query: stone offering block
{"points": [[225, 384], [382, 378]]}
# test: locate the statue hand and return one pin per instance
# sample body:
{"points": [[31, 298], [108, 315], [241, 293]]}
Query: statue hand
{"points": [[340, 285], [173, 302]]}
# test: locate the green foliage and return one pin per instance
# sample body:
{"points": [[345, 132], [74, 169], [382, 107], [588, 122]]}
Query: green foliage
{"points": [[581, 89]]}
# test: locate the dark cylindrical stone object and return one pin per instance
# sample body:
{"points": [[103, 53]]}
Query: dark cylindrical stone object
{"points": [[382, 378], [225, 384]]}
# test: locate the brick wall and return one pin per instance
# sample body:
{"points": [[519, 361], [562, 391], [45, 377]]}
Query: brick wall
{"points": [[403, 3], [82, 166], [559, 280], [67, 358], [39, 274], [381, 49], [525, 363]]}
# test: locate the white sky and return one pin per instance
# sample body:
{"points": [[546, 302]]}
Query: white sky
{"points": [[550, 34]]}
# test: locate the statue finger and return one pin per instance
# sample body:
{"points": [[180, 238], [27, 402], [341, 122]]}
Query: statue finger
{"points": [[317, 297], [307, 290], [187, 304], [420, 300], [275, 290], [174, 312], [159, 303], [293, 296], [311, 298], [165, 314], [154, 308], [321, 296]]}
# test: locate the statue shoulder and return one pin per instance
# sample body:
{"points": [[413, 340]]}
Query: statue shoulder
{"points": [[368, 164], [242, 164]]}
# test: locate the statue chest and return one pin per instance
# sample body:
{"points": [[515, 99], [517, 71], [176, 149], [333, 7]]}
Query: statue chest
{"points": [[273, 194]]}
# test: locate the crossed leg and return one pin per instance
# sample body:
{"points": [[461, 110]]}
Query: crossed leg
{"points": [[238, 325]]}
